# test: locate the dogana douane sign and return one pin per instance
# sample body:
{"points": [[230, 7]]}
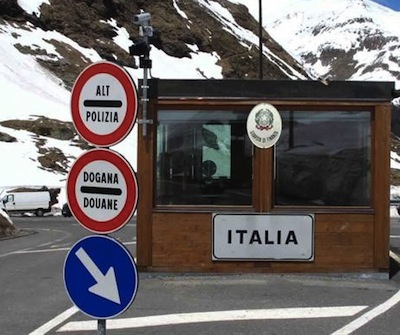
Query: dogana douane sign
{"points": [[102, 191], [264, 125]]}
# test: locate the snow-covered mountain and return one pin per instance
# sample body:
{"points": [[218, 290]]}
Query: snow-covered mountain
{"points": [[39, 65], [44, 44], [342, 40]]}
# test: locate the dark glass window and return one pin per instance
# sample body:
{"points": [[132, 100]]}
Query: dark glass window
{"points": [[203, 158], [324, 158]]}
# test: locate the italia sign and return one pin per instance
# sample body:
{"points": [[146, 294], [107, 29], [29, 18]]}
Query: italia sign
{"points": [[269, 237]]}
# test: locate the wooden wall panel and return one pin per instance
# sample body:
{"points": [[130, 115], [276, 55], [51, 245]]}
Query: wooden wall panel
{"points": [[183, 242], [381, 185], [344, 242], [181, 239], [145, 203]]}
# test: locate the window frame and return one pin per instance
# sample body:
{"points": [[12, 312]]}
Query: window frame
{"points": [[220, 107], [293, 134], [263, 160]]}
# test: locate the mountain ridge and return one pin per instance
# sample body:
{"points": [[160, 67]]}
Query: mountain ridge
{"points": [[87, 23], [203, 39], [344, 40]]}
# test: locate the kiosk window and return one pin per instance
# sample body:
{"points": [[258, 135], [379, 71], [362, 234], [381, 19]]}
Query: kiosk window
{"points": [[324, 158], [203, 158]]}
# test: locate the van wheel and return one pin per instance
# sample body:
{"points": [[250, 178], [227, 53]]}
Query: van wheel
{"points": [[39, 212]]}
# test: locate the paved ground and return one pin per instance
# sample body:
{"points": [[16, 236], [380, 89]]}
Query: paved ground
{"points": [[34, 300]]}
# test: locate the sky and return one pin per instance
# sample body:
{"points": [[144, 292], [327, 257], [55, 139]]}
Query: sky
{"points": [[44, 94], [393, 4]]}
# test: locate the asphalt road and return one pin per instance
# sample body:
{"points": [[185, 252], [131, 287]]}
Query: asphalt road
{"points": [[33, 299]]}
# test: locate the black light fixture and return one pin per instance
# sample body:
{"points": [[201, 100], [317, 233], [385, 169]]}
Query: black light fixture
{"points": [[139, 48]]}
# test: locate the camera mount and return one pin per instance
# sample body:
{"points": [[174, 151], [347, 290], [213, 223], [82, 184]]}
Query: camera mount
{"points": [[142, 48]]}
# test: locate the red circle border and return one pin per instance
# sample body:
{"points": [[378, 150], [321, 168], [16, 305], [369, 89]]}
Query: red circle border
{"points": [[132, 191], [132, 103]]}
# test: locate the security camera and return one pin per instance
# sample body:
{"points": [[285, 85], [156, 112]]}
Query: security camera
{"points": [[141, 19]]}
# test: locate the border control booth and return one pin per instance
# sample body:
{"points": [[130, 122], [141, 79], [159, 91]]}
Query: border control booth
{"points": [[317, 200]]}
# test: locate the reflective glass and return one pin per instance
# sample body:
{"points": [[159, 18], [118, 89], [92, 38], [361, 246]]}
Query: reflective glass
{"points": [[324, 159], [203, 158]]}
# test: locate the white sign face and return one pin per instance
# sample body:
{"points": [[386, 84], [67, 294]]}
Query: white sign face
{"points": [[101, 190], [103, 104], [263, 237], [264, 125]]}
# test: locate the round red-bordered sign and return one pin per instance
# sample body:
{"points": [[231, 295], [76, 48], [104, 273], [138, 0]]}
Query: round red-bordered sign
{"points": [[104, 104], [102, 191]]}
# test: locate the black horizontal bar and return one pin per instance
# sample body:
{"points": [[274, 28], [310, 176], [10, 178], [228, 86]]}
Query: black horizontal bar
{"points": [[101, 190], [102, 103]]}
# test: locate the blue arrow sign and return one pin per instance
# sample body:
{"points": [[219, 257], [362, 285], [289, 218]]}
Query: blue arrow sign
{"points": [[100, 276]]}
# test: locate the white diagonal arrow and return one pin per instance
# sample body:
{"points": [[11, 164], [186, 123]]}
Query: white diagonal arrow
{"points": [[106, 286]]}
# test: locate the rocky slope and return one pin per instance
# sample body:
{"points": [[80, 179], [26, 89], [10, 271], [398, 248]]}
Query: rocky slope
{"points": [[93, 23], [93, 26], [331, 42]]}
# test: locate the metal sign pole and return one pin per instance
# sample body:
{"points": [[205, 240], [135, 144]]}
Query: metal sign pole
{"points": [[101, 327], [145, 87], [142, 49]]}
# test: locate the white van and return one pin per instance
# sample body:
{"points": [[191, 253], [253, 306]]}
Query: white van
{"points": [[23, 202]]}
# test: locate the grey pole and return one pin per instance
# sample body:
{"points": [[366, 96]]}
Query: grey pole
{"points": [[145, 31], [101, 327], [145, 87]]}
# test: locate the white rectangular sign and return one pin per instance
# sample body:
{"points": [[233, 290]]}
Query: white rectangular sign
{"points": [[263, 237]]}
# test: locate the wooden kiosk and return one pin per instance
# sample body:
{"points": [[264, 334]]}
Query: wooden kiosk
{"points": [[315, 201]]}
